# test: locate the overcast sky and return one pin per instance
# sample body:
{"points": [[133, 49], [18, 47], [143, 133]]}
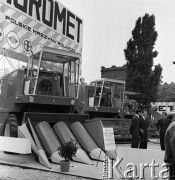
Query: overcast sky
{"points": [[107, 28]]}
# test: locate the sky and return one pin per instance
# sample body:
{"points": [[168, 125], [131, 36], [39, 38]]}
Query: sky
{"points": [[107, 26]]}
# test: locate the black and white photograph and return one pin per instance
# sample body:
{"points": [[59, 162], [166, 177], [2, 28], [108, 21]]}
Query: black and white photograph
{"points": [[87, 89]]}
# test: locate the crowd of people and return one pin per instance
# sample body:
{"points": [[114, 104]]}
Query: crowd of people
{"points": [[139, 125], [166, 129]]}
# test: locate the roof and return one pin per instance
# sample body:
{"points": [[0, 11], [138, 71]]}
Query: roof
{"points": [[113, 68]]}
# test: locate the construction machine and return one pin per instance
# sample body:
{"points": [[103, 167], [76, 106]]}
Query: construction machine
{"points": [[103, 99], [45, 90]]}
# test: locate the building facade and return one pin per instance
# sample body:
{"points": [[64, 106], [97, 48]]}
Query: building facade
{"points": [[114, 72]]}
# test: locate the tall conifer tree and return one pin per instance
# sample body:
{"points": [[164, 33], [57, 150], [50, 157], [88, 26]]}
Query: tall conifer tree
{"points": [[142, 75]]}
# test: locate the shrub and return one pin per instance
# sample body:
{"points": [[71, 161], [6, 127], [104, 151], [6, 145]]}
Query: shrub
{"points": [[68, 150]]}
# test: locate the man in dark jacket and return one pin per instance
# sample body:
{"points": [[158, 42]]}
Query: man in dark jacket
{"points": [[169, 157], [164, 125], [135, 129], [143, 129]]}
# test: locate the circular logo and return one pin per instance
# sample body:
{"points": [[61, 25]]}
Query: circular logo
{"points": [[27, 45], [13, 39], [1, 34]]}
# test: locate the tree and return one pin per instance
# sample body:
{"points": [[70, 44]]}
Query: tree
{"points": [[166, 93], [142, 76]]}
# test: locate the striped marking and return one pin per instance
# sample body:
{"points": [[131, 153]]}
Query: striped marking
{"points": [[34, 25]]}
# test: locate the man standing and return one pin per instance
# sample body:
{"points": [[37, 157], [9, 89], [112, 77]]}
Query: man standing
{"points": [[134, 129], [159, 125], [143, 129], [163, 128]]}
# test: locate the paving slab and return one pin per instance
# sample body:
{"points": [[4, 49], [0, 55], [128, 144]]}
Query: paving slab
{"points": [[77, 169]]}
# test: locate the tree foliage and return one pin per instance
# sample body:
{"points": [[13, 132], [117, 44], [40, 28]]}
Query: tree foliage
{"points": [[166, 93], [142, 75], [68, 150]]}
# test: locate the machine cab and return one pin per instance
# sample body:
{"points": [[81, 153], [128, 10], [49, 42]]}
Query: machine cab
{"points": [[107, 93], [53, 72]]}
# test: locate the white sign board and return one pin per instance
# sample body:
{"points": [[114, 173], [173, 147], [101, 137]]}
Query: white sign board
{"points": [[164, 106], [30, 25], [109, 141]]}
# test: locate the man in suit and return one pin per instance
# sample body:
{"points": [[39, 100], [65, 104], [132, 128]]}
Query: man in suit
{"points": [[159, 125], [143, 129], [165, 123], [160, 121], [135, 129]]}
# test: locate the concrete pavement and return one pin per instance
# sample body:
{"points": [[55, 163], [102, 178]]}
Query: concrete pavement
{"points": [[94, 171]]}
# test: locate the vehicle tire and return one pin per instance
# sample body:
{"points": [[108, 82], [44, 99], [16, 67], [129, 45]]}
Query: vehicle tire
{"points": [[2, 129], [11, 126]]}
